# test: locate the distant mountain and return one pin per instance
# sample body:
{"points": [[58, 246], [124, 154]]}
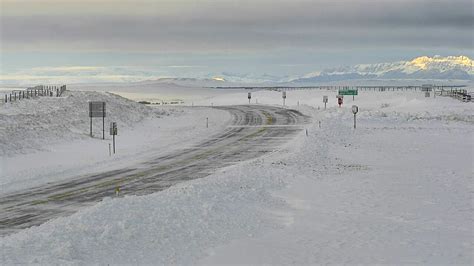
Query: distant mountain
{"points": [[186, 82], [217, 80], [424, 67], [247, 77]]}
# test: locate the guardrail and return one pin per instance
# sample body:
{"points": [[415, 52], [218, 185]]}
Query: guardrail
{"points": [[34, 92]]}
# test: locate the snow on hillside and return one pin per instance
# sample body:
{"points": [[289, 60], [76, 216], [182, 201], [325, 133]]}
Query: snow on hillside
{"points": [[32, 125], [424, 67], [397, 190]]}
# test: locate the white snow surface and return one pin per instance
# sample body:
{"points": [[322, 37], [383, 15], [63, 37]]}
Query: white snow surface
{"points": [[396, 190], [47, 139]]}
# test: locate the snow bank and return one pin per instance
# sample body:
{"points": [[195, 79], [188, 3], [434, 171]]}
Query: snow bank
{"points": [[34, 125], [174, 226]]}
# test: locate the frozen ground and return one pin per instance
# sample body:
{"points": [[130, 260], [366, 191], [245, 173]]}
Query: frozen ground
{"points": [[396, 190]]}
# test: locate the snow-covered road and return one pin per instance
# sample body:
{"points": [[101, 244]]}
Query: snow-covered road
{"points": [[255, 130]]}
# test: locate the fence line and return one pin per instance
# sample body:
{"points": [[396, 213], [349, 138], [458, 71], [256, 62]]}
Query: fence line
{"points": [[34, 92], [461, 95]]}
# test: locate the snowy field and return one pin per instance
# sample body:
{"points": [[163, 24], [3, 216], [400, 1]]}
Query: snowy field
{"points": [[396, 190]]}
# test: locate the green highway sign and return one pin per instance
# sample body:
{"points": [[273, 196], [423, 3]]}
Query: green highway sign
{"points": [[348, 92]]}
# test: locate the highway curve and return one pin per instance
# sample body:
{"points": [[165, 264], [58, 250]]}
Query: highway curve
{"points": [[255, 130]]}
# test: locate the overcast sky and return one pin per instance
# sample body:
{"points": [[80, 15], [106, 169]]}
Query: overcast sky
{"points": [[184, 37]]}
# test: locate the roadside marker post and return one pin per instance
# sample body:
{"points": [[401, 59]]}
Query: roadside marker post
{"points": [[325, 101], [283, 95], [207, 122], [355, 109], [249, 96], [113, 132]]}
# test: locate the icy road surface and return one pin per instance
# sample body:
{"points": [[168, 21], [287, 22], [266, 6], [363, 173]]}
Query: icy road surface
{"points": [[255, 130]]}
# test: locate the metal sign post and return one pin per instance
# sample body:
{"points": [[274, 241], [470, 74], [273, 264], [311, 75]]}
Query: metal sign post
{"points": [[325, 101], [355, 109], [113, 132], [249, 96], [97, 109], [283, 95]]}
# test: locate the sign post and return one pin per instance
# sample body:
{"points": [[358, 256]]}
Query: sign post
{"points": [[355, 109], [325, 101], [97, 109], [249, 96], [113, 132], [283, 95]]}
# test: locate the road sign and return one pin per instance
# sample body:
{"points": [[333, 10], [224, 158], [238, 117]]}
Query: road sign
{"points": [[348, 92], [325, 99], [426, 87], [355, 109], [113, 128], [283, 94], [97, 109]]}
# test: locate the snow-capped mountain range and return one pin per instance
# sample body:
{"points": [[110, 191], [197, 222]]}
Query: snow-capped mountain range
{"points": [[420, 68], [424, 67]]}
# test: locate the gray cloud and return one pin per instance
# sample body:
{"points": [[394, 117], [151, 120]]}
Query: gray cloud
{"points": [[248, 26]]}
